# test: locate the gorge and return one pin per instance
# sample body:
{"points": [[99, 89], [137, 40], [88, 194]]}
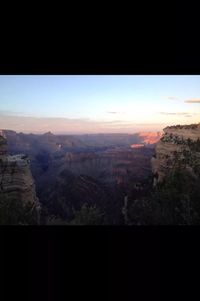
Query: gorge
{"points": [[85, 179]]}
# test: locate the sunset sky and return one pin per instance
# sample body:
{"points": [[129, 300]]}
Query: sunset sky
{"points": [[97, 104]]}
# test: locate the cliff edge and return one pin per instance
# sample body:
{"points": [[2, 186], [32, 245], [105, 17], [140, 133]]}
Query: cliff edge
{"points": [[18, 201], [178, 147]]}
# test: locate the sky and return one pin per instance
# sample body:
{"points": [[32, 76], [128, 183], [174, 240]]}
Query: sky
{"points": [[96, 103]]}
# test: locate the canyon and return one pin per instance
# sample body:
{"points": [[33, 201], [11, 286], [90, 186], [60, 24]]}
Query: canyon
{"points": [[71, 170], [62, 179]]}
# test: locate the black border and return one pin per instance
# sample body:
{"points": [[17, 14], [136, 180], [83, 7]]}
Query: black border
{"points": [[106, 263], [155, 49], [100, 262]]}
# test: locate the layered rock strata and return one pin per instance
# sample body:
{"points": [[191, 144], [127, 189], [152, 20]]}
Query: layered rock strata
{"points": [[178, 147], [16, 181]]}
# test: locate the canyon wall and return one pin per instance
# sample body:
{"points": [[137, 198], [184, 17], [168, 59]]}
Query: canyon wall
{"points": [[17, 184], [178, 148]]}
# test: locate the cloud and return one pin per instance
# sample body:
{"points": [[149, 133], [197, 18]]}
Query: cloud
{"points": [[174, 113], [115, 112], [115, 121], [172, 97], [10, 113], [192, 101], [69, 126]]}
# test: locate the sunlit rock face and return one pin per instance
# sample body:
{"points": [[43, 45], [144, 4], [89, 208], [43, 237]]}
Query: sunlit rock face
{"points": [[150, 137], [16, 181], [147, 139], [178, 147], [137, 145]]}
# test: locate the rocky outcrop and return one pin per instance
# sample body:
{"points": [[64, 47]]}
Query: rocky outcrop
{"points": [[178, 147], [16, 181]]}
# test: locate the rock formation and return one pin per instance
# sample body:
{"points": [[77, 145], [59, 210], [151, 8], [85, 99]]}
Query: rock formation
{"points": [[150, 137], [179, 147], [16, 182]]}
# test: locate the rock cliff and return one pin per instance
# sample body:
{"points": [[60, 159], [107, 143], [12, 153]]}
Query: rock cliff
{"points": [[178, 147], [17, 187]]}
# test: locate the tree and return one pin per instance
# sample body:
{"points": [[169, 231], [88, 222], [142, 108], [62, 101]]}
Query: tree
{"points": [[174, 202], [87, 215], [14, 212]]}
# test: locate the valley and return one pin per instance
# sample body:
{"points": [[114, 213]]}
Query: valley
{"points": [[121, 180], [97, 170]]}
